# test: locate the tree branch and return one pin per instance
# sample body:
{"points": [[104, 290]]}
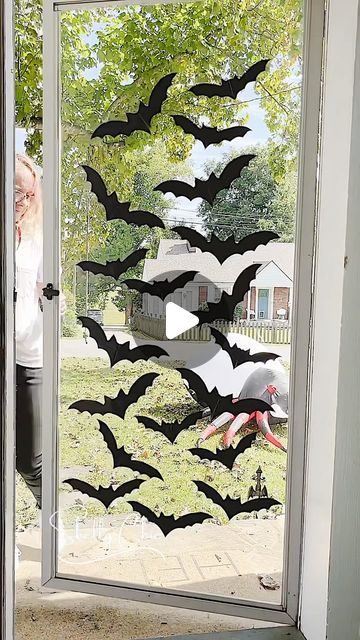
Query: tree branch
{"points": [[273, 97]]}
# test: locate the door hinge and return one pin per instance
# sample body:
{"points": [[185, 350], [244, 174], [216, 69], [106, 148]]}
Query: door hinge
{"points": [[49, 291]]}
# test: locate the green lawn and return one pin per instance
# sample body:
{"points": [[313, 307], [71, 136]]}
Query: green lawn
{"points": [[81, 444]]}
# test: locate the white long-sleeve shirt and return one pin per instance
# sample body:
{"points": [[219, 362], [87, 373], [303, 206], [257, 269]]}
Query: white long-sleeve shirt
{"points": [[28, 315]]}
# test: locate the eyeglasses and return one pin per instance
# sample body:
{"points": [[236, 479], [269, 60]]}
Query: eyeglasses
{"points": [[20, 196]]}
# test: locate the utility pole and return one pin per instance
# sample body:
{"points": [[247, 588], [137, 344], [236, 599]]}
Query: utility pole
{"points": [[87, 258]]}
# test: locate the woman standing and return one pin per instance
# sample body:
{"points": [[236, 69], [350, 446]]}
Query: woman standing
{"points": [[29, 322]]}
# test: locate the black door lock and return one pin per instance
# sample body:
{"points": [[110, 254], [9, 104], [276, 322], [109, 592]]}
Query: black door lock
{"points": [[49, 291]]}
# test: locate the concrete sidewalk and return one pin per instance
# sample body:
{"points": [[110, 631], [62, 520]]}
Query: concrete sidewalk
{"points": [[178, 350], [211, 560]]}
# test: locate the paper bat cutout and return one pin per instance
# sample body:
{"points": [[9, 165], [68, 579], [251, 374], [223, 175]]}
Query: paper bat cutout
{"points": [[115, 268], [169, 523], [170, 430], [228, 456], [118, 405], [224, 309], [209, 135], [122, 458], [106, 495], [116, 210], [217, 403], [230, 87], [160, 288], [223, 249], [207, 189], [116, 351], [233, 506], [237, 355], [141, 119]]}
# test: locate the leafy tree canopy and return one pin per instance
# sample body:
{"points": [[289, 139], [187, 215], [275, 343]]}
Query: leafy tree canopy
{"points": [[112, 58]]}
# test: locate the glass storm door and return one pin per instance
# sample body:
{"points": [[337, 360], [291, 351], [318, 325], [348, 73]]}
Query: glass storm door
{"points": [[175, 468]]}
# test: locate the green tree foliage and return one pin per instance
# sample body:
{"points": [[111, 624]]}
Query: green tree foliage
{"points": [[284, 209], [238, 210], [111, 59], [69, 325]]}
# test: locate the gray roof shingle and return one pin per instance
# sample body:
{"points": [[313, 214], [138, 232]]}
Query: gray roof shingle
{"points": [[174, 255]]}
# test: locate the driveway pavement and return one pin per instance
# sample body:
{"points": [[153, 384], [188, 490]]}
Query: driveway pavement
{"points": [[178, 350], [223, 560]]}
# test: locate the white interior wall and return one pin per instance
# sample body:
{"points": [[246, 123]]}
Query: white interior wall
{"points": [[344, 566], [327, 314]]}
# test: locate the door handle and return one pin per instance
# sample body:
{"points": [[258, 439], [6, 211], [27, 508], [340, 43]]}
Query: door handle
{"points": [[49, 292]]}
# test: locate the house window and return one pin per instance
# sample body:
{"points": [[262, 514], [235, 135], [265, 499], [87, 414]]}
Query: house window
{"points": [[203, 295]]}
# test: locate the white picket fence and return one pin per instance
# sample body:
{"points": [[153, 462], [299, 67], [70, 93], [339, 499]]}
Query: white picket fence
{"points": [[266, 331]]}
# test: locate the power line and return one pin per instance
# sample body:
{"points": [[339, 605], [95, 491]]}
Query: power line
{"points": [[235, 218], [215, 224]]}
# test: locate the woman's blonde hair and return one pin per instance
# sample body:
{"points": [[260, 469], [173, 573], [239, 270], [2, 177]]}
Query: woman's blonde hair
{"points": [[32, 220]]}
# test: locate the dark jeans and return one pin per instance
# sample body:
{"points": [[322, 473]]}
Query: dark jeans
{"points": [[28, 427]]}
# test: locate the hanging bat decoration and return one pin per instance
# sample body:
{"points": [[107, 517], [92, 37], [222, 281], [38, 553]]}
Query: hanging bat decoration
{"points": [[209, 135], [169, 523], [207, 189], [122, 458], [115, 268], [170, 430], [237, 355], [118, 405], [223, 249], [228, 456], [160, 288], [141, 119], [106, 495], [234, 506], [116, 210], [230, 88], [224, 309], [116, 351], [217, 403]]}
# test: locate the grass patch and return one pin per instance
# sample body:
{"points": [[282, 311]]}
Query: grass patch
{"points": [[81, 446]]}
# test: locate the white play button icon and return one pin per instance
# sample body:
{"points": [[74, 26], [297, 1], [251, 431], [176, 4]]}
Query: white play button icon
{"points": [[178, 320]]}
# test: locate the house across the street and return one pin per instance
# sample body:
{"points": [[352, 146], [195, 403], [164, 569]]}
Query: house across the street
{"points": [[270, 296]]}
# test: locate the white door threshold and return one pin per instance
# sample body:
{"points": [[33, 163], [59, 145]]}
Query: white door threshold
{"points": [[273, 633]]}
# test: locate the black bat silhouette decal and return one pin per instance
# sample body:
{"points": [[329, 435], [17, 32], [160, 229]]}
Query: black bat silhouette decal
{"points": [[106, 495], [233, 506], [115, 268], [122, 458], [223, 249], [141, 119], [169, 523], [170, 430], [230, 87], [207, 189], [118, 405], [217, 403], [116, 210], [228, 456], [224, 309], [237, 355], [116, 351], [161, 288], [209, 135]]}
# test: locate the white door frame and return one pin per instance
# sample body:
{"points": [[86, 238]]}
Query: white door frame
{"points": [[287, 612], [7, 351]]}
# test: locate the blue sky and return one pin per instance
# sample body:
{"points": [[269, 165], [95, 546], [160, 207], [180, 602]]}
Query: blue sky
{"points": [[20, 135]]}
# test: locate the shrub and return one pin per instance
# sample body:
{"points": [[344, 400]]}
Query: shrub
{"points": [[69, 326]]}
